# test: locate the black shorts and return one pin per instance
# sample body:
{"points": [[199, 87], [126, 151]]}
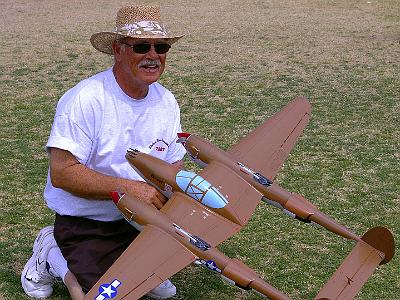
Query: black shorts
{"points": [[91, 247]]}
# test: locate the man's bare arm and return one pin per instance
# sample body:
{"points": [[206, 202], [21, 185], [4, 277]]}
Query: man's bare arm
{"points": [[68, 174]]}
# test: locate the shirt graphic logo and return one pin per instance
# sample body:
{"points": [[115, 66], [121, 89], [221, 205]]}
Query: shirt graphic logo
{"points": [[160, 145], [107, 291]]}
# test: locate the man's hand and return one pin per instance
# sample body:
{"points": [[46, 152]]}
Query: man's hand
{"points": [[146, 193]]}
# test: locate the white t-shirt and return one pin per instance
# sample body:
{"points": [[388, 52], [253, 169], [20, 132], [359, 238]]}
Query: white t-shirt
{"points": [[97, 122]]}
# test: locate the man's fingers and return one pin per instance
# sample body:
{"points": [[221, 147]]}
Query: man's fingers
{"points": [[157, 204], [162, 198], [150, 195], [159, 200]]}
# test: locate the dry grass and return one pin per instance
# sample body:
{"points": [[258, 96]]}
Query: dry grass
{"points": [[240, 62]]}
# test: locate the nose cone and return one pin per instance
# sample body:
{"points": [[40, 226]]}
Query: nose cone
{"points": [[116, 196], [182, 137]]}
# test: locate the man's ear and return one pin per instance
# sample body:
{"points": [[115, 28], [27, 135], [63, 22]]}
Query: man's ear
{"points": [[117, 48]]}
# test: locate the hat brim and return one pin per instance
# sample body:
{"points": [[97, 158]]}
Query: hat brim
{"points": [[102, 41]]}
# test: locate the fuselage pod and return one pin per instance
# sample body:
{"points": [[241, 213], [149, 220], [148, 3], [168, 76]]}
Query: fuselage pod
{"points": [[200, 189]]}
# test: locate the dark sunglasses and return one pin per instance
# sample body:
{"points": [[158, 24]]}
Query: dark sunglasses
{"points": [[143, 48]]}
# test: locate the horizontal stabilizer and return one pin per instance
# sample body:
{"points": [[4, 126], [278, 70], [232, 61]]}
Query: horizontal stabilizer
{"points": [[359, 265]]}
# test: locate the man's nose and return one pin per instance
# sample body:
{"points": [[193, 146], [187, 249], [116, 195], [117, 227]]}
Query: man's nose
{"points": [[152, 52]]}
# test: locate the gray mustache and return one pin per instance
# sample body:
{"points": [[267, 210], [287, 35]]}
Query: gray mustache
{"points": [[149, 62]]}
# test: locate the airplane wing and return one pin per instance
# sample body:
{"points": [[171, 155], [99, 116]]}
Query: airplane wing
{"points": [[267, 147], [151, 258]]}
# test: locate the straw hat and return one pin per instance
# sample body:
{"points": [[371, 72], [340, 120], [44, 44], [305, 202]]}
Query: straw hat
{"points": [[136, 22]]}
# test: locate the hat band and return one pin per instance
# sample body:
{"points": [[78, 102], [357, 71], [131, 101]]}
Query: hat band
{"points": [[142, 28]]}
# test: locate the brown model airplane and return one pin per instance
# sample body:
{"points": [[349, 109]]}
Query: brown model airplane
{"points": [[207, 208]]}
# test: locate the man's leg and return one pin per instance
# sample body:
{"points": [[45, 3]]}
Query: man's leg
{"points": [[74, 288], [91, 247], [59, 266]]}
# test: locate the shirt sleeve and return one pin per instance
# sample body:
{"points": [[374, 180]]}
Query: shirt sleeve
{"points": [[68, 135]]}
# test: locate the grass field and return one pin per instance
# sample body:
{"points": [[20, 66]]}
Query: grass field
{"points": [[240, 62]]}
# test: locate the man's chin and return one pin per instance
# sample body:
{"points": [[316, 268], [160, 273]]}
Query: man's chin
{"points": [[150, 77]]}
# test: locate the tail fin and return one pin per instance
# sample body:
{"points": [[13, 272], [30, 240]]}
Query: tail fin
{"points": [[376, 247]]}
